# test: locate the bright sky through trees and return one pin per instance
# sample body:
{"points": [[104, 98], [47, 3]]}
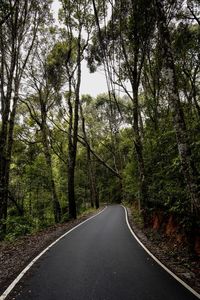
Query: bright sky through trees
{"points": [[91, 83]]}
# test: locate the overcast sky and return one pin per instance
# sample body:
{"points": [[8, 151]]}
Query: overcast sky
{"points": [[94, 83]]}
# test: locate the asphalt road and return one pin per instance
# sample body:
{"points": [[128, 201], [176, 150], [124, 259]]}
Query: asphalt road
{"points": [[100, 260]]}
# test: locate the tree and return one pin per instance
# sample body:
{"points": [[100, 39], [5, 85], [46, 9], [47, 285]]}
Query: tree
{"points": [[91, 170], [125, 59], [189, 171], [187, 60], [18, 35], [76, 15], [39, 104], [6, 11]]}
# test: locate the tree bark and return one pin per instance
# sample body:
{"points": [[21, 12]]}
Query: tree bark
{"points": [[5, 131], [139, 149], [73, 135], [134, 74], [92, 180]]}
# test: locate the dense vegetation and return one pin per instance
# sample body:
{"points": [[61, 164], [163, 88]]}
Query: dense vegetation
{"points": [[62, 152]]}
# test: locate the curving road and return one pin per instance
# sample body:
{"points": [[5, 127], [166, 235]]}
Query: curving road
{"points": [[100, 260]]}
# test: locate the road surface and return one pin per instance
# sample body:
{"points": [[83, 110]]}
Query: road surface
{"points": [[100, 260]]}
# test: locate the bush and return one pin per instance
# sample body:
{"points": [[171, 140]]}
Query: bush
{"points": [[17, 226]]}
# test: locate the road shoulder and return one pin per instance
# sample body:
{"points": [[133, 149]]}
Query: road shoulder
{"points": [[162, 253], [15, 256]]}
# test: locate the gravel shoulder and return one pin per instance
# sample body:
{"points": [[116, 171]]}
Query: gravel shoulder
{"points": [[176, 258], [15, 256]]}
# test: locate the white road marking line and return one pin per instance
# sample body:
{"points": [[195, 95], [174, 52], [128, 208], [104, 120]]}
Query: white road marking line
{"points": [[158, 261], [17, 279]]}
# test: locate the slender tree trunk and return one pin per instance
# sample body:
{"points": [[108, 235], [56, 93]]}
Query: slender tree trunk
{"points": [[92, 192], [71, 171], [71, 191], [141, 124], [3, 192], [139, 150], [188, 168], [91, 173], [194, 95], [9, 147], [134, 74], [55, 202], [71, 163], [3, 131], [19, 207], [6, 132], [92, 180], [6, 142], [73, 136]]}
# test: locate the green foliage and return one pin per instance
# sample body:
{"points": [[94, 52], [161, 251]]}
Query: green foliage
{"points": [[65, 218], [129, 44], [17, 226], [62, 53], [130, 182]]}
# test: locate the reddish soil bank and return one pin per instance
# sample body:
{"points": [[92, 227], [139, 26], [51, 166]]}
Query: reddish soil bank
{"points": [[164, 238]]}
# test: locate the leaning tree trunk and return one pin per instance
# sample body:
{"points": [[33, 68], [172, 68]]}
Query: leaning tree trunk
{"points": [[188, 168]]}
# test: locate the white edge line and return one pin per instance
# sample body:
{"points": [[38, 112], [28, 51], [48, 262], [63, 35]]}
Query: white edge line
{"points": [[158, 261], [17, 279]]}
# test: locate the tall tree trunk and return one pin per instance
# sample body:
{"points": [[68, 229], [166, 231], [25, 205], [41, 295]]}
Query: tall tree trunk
{"points": [[92, 191], [139, 150], [5, 138], [55, 202], [91, 173], [188, 168], [6, 142], [71, 163], [134, 74], [11, 125], [3, 189], [73, 135], [92, 179]]}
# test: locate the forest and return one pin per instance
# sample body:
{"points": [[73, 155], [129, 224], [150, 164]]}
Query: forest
{"points": [[62, 152]]}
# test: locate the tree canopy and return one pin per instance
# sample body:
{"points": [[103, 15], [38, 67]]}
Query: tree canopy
{"points": [[62, 152]]}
